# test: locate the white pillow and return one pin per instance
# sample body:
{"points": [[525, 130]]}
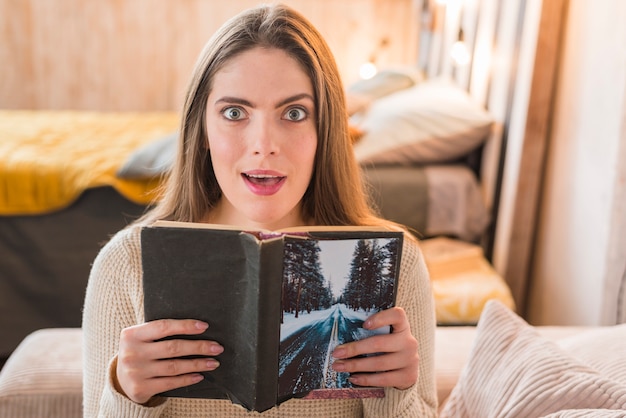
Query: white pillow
{"points": [[514, 372], [360, 94], [386, 82], [435, 121]]}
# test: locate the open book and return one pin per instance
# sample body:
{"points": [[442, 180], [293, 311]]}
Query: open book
{"points": [[279, 302]]}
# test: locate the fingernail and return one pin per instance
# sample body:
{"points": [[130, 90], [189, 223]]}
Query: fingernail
{"points": [[354, 379], [214, 364], [367, 324], [197, 377], [216, 349], [201, 325], [339, 366], [339, 353]]}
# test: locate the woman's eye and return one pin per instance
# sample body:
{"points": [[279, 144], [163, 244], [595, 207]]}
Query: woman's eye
{"points": [[233, 113], [295, 114]]}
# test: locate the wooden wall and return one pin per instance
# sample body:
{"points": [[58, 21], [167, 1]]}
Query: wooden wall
{"points": [[138, 55]]}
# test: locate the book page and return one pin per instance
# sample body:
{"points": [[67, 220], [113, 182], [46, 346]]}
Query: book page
{"points": [[305, 228]]}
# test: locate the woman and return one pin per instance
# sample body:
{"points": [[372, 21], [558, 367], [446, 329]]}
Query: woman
{"points": [[264, 143]]}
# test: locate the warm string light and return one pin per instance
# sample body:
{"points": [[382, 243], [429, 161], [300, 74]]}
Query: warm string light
{"points": [[459, 52], [369, 68]]}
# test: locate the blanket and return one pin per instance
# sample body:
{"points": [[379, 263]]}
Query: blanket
{"points": [[49, 158]]}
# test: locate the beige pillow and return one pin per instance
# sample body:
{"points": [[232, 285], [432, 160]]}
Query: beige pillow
{"points": [[514, 372], [433, 122], [588, 413], [602, 348]]}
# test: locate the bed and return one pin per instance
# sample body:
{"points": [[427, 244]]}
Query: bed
{"points": [[69, 179], [60, 201]]}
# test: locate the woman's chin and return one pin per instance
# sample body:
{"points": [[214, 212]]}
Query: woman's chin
{"points": [[272, 219]]}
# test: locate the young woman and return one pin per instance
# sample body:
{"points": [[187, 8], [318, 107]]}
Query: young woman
{"points": [[263, 143]]}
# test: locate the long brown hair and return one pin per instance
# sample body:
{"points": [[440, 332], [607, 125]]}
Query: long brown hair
{"points": [[336, 194]]}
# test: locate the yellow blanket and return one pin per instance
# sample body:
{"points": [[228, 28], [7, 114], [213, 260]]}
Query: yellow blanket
{"points": [[463, 280], [48, 158]]}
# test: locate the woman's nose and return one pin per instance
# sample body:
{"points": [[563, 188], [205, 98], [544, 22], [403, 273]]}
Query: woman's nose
{"points": [[263, 137]]}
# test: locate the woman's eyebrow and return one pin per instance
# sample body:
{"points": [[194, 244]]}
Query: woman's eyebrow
{"points": [[244, 102], [234, 100], [295, 98]]}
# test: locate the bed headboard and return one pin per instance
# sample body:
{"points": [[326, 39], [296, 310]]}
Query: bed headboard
{"points": [[514, 50]]}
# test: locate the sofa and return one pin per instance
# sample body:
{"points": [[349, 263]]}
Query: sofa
{"points": [[501, 367]]}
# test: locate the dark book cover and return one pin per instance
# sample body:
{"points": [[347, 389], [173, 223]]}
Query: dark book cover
{"points": [[279, 303]]}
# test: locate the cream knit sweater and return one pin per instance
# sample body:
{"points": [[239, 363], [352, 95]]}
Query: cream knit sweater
{"points": [[114, 300]]}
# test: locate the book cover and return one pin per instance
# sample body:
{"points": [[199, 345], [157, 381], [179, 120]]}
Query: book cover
{"points": [[278, 301]]}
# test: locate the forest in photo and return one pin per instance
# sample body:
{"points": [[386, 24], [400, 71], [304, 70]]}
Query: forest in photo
{"points": [[329, 288], [308, 287]]}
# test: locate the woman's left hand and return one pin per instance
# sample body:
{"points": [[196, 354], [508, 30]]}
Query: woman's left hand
{"points": [[397, 358]]}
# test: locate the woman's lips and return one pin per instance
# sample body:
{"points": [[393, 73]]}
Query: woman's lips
{"points": [[263, 183]]}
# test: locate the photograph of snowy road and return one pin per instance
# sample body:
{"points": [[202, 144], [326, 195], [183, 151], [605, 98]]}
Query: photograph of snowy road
{"points": [[329, 289]]}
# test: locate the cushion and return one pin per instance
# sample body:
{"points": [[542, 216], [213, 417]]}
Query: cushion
{"points": [[386, 81], [382, 84], [610, 341], [432, 122], [514, 372], [43, 376], [454, 343], [588, 413], [151, 160]]}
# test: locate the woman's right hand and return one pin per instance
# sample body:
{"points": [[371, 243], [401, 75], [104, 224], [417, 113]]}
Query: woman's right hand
{"points": [[146, 366]]}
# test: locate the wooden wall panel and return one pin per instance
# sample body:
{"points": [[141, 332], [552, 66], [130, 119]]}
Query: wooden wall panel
{"points": [[525, 160], [138, 55]]}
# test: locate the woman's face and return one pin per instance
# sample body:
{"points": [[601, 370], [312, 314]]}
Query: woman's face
{"points": [[261, 126]]}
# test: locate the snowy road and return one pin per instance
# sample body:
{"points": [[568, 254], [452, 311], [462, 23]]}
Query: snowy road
{"points": [[306, 354]]}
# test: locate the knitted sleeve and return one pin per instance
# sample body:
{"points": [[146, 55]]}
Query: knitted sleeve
{"points": [[112, 302]]}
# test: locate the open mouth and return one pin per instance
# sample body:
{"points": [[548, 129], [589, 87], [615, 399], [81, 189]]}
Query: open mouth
{"points": [[263, 179], [263, 184]]}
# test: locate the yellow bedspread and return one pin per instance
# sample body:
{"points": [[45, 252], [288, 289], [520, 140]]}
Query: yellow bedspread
{"points": [[48, 158], [463, 280]]}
